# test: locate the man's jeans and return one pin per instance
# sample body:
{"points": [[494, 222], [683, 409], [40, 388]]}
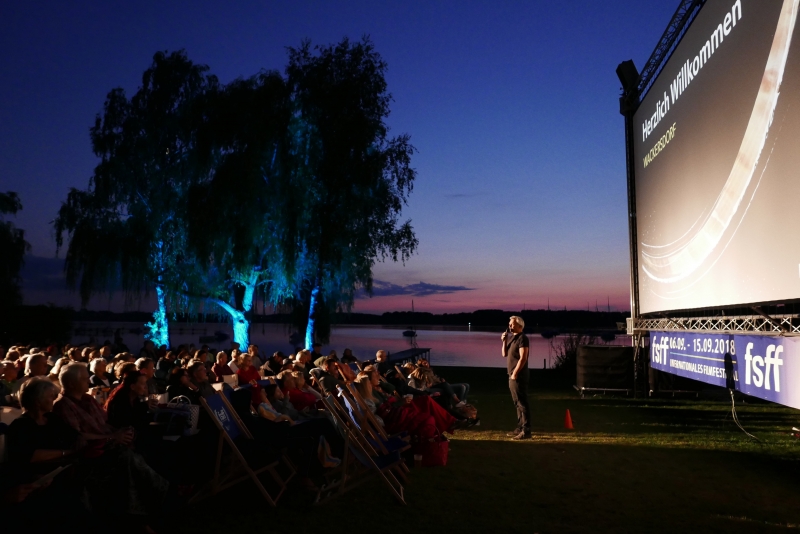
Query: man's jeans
{"points": [[461, 391], [519, 394]]}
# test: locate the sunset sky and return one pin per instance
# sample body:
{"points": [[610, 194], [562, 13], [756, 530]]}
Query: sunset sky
{"points": [[513, 107]]}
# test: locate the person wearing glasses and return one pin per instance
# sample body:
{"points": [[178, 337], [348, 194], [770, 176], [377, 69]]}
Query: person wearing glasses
{"points": [[516, 348]]}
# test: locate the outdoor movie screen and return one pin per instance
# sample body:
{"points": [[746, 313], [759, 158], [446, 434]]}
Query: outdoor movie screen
{"points": [[717, 162]]}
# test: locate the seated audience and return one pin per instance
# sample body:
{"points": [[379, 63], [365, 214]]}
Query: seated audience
{"points": [[247, 374], [221, 368], [293, 381], [128, 404], [99, 377], [275, 363], [460, 390], [304, 386], [393, 380], [267, 411], [39, 435], [38, 442], [8, 383], [423, 378], [234, 363], [347, 373], [147, 367], [328, 377], [180, 384], [252, 350], [303, 363], [347, 357], [444, 421], [114, 468], [165, 365], [198, 377], [121, 369], [280, 402], [316, 353]]}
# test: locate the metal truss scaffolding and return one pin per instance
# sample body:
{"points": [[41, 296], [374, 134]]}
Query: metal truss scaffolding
{"points": [[763, 324], [680, 22]]}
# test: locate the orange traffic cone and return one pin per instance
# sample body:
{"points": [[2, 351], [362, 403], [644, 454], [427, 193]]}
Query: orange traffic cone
{"points": [[568, 421]]}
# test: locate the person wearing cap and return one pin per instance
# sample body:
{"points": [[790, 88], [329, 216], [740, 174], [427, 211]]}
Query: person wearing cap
{"points": [[516, 348], [275, 364]]}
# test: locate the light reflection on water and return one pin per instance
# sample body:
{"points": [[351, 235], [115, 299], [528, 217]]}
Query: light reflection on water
{"points": [[449, 347]]}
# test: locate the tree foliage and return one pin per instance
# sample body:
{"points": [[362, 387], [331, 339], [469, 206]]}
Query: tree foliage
{"points": [[13, 248], [240, 234], [290, 185], [356, 177], [128, 228]]}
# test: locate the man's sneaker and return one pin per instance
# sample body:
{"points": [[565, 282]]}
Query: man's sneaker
{"points": [[513, 433], [461, 404], [522, 435]]}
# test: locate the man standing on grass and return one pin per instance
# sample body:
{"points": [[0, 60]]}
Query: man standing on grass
{"points": [[515, 349]]}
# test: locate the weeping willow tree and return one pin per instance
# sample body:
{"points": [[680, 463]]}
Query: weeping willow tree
{"points": [[241, 214], [355, 178], [128, 229]]}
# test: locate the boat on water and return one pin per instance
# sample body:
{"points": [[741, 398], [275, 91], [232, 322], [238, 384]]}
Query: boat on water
{"points": [[411, 332]]}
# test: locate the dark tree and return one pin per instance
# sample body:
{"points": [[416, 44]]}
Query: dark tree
{"points": [[128, 228], [356, 179], [13, 248]]}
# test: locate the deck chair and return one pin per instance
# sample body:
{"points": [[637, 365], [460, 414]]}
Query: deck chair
{"points": [[372, 432], [397, 441], [231, 428], [377, 435], [380, 465]]}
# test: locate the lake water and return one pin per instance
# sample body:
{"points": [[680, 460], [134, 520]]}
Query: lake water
{"points": [[449, 346]]}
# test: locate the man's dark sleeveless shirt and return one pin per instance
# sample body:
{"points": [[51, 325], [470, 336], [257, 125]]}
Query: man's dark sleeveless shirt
{"points": [[513, 344]]}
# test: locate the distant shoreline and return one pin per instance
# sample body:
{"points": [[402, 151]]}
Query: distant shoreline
{"points": [[536, 320]]}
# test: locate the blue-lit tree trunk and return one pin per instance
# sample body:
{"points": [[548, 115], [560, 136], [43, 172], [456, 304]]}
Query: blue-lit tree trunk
{"points": [[159, 327], [240, 314], [314, 305]]}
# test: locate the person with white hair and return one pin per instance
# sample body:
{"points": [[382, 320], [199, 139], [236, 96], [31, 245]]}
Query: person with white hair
{"points": [[38, 436], [35, 365], [114, 469], [516, 348], [99, 377]]}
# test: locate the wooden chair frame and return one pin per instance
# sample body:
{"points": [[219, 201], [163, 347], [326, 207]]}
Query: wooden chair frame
{"points": [[220, 483], [364, 452], [370, 418], [370, 429]]}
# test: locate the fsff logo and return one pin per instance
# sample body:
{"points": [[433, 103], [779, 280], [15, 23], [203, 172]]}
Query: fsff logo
{"points": [[660, 351], [760, 368]]}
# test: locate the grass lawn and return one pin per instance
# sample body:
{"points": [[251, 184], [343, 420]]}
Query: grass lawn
{"points": [[629, 466]]}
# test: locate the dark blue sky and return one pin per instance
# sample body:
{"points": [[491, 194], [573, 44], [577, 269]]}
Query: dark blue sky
{"points": [[513, 107]]}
